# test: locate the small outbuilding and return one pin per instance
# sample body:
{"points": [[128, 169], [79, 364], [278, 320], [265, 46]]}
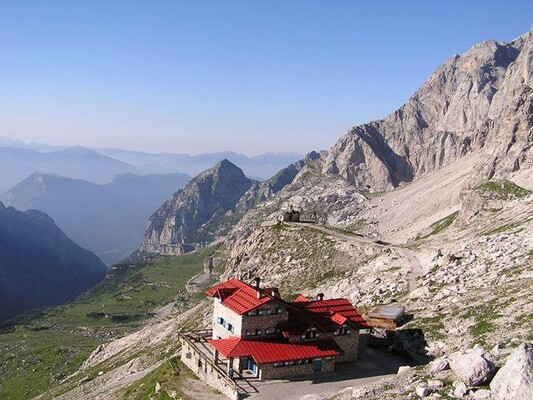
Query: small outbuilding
{"points": [[386, 317], [290, 216]]}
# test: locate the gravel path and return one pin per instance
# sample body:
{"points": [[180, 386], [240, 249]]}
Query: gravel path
{"points": [[415, 269]]}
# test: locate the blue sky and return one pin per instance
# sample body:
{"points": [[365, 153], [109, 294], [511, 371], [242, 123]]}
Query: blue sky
{"points": [[200, 76]]}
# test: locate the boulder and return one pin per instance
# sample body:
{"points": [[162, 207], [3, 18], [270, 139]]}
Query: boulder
{"points": [[403, 369], [435, 384], [482, 394], [422, 390], [514, 381], [460, 390], [473, 367], [438, 365]]}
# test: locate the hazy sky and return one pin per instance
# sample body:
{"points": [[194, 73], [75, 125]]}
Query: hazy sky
{"points": [[251, 76]]}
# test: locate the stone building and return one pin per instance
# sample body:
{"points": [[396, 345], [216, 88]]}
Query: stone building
{"points": [[257, 334], [290, 216]]}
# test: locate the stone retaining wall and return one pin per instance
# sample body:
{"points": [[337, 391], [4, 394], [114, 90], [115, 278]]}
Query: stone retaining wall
{"points": [[206, 370]]}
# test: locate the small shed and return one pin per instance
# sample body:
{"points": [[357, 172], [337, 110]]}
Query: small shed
{"points": [[386, 317], [290, 216]]}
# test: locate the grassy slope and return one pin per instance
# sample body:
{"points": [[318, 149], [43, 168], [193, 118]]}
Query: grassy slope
{"points": [[40, 348]]}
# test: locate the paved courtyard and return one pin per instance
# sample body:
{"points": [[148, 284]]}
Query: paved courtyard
{"points": [[373, 365]]}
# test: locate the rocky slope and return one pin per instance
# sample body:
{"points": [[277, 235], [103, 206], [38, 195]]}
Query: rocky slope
{"points": [[39, 264], [211, 205], [189, 219], [478, 101]]}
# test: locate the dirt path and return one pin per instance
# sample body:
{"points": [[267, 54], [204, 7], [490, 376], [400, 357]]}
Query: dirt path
{"points": [[415, 269]]}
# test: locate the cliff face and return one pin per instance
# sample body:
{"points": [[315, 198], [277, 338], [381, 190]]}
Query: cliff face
{"points": [[479, 100], [39, 264], [187, 220]]}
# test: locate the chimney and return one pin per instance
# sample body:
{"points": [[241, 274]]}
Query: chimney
{"points": [[320, 296], [257, 282]]}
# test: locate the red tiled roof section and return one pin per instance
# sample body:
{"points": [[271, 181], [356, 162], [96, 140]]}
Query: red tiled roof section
{"points": [[233, 284], [275, 351], [336, 310], [301, 298], [239, 296]]}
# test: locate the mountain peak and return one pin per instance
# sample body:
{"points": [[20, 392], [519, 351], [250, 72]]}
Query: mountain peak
{"points": [[194, 215], [226, 164]]}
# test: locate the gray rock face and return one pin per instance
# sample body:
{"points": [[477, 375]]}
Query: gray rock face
{"points": [[481, 99], [514, 381], [473, 367], [191, 217]]}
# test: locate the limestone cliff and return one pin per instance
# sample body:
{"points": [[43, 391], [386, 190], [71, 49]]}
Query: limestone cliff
{"points": [[187, 220], [481, 100]]}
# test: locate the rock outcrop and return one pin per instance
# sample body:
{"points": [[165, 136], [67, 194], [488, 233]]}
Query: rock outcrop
{"points": [[210, 205], [39, 264], [193, 216], [482, 99], [514, 381], [473, 367]]}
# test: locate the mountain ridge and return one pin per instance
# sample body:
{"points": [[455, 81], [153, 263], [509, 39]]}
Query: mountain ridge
{"points": [[108, 219], [39, 264], [461, 108]]}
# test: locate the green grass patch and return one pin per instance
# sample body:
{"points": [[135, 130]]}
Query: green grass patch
{"points": [[40, 348], [511, 226], [356, 225], [170, 375], [432, 327], [280, 227], [440, 225], [502, 190], [325, 277]]}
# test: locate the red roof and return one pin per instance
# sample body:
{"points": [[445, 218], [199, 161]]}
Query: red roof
{"points": [[337, 311], [239, 296], [301, 298], [275, 351]]}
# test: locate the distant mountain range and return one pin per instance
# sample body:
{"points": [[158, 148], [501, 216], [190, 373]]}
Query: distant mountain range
{"points": [[39, 264], [17, 164], [108, 219], [18, 160]]}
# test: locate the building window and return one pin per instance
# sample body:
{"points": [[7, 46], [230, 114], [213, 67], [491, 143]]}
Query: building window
{"points": [[343, 331], [252, 313], [260, 312], [278, 364], [279, 310], [230, 328], [311, 334]]}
